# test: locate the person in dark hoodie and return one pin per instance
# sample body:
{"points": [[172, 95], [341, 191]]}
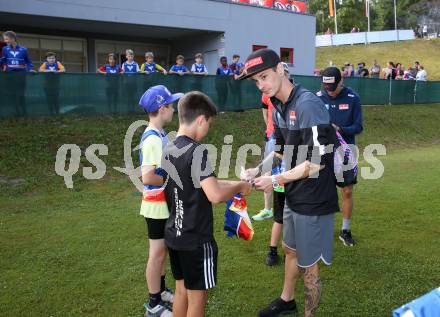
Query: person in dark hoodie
{"points": [[344, 106]]}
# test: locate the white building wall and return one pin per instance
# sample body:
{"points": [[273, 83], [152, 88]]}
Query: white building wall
{"points": [[243, 26]]}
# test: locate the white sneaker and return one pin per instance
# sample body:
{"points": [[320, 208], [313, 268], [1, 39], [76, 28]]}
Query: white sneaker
{"points": [[157, 311], [167, 296]]}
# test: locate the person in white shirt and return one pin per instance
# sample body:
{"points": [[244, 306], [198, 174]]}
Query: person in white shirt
{"points": [[425, 31], [375, 70], [422, 75]]}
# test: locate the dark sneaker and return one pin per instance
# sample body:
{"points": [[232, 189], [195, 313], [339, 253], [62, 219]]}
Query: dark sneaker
{"points": [[272, 259], [346, 238], [279, 308]]}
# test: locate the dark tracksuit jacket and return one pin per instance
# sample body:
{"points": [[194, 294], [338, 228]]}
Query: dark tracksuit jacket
{"points": [[345, 111]]}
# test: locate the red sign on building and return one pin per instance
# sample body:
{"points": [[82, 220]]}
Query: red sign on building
{"points": [[286, 5], [289, 5]]}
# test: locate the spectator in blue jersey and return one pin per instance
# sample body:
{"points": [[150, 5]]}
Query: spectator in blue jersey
{"points": [[110, 67], [111, 70], [224, 69], [52, 81], [237, 68], [51, 65], [222, 82], [150, 67], [198, 68], [15, 59], [344, 106], [130, 68], [179, 68]]}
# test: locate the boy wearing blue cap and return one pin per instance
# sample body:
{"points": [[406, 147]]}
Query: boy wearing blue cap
{"points": [[157, 102]]}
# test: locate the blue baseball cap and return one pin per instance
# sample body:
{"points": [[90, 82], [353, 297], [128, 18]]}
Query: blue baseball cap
{"points": [[156, 97]]}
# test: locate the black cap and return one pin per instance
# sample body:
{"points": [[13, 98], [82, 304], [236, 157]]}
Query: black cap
{"points": [[258, 61], [331, 76]]}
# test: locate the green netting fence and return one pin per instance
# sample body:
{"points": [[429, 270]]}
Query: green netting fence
{"points": [[30, 94]]}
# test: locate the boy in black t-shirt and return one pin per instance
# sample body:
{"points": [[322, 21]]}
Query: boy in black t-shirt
{"points": [[191, 189]]}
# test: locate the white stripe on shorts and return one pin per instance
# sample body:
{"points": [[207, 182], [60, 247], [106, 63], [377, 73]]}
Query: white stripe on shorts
{"points": [[205, 265], [212, 265], [208, 265]]}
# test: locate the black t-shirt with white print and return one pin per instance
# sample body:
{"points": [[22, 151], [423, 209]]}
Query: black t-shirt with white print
{"points": [[191, 218]]}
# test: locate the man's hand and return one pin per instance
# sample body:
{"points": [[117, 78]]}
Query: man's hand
{"points": [[249, 174], [336, 127], [264, 183], [246, 188]]}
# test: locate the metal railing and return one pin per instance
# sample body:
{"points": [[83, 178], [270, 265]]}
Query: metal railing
{"points": [[364, 37]]}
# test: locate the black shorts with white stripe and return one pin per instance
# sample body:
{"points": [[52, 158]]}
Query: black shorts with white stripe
{"points": [[197, 268]]}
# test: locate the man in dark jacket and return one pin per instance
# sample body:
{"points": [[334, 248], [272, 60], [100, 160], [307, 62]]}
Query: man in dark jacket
{"points": [[344, 106], [303, 130]]}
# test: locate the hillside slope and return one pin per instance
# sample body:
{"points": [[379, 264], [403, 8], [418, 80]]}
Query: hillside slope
{"points": [[405, 52]]}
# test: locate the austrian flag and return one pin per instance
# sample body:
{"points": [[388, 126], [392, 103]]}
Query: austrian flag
{"points": [[237, 221], [292, 115]]}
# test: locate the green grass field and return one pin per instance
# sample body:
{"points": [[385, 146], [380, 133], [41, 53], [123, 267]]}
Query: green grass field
{"points": [[405, 52], [82, 251]]}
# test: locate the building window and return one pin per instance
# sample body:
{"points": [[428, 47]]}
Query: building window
{"points": [[286, 55], [258, 47], [70, 52]]}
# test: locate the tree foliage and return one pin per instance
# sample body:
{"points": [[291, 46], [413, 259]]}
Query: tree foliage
{"points": [[351, 13]]}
